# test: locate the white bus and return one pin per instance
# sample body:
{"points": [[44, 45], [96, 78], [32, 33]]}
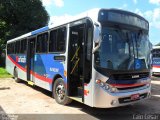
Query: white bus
{"points": [[99, 58], [156, 60]]}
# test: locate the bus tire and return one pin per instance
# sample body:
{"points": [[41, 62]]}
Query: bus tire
{"points": [[16, 75], [60, 92]]}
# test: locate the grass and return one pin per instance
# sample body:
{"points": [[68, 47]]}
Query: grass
{"points": [[4, 73]]}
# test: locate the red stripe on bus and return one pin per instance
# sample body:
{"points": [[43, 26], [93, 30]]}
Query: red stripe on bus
{"points": [[17, 64], [128, 85], [33, 73], [156, 66], [42, 77]]}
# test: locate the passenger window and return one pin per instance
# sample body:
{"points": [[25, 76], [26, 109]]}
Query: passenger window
{"points": [[88, 57], [57, 40], [61, 40], [23, 45], [17, 47], [42, 43], [12, 48], [52, 41], [9, 48], [89, 44]]}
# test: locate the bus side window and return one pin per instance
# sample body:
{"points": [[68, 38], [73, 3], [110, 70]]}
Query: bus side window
{"points": [[57, 40], [42, 43], [61, 40], [89, 44], [23, 45], [13, 48], [9, 48], [88, 64], [17, 47], [52, 41]]}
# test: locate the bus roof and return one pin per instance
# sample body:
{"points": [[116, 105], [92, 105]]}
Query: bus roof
{"points": [[93, 14], [156, 47]]}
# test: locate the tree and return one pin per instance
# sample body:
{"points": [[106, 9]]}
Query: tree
{"points": [[22, 16], [18, 17]]}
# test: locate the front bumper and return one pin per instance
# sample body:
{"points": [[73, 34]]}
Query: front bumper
{"points": [[104, 99]]}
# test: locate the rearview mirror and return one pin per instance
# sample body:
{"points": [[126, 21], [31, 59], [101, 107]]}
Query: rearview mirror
{"points": [[97, 33], [97, 37]]}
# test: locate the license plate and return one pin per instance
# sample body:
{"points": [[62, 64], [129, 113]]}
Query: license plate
{"points": [[135, 97]]}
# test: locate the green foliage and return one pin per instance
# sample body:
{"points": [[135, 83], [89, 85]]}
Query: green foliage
{"points": [[18, 17], [4, 73], [22, 16]]}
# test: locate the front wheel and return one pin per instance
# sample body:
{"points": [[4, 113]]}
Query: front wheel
{"points": [[60, 92]]}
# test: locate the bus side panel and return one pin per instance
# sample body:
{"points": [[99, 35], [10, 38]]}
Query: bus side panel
{"points": [[20, 62], [88, 94], [9, 65], [156, 65], [55, 67], [45, 69], [39, 71]]}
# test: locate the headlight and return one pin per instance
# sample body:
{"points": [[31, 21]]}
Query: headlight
{"points": [[106, 86], [113, 89], [102, 84]]}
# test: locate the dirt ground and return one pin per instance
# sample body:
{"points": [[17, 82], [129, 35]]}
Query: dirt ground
{"points": [[24, 102]]}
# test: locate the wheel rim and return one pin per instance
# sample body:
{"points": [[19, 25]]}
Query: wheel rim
{"points": [[60, 92]]}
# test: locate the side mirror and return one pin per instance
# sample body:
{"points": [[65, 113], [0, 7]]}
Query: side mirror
{"points": [[96, 33], [97, 37]]}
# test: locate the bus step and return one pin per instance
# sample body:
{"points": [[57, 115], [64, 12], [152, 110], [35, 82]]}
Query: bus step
{"points": [[77, 98], [31, 83]]}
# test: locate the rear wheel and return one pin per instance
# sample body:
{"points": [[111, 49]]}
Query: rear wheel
{"points": [[60, 92], [16, 75]]}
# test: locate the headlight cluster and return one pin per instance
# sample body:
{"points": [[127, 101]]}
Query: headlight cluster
{"points": [[106, 86]]}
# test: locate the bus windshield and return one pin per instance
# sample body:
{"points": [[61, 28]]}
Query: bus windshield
{"points": [[156, 53], [123, 49]]}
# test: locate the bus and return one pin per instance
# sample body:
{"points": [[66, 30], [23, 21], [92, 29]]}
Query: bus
{"points": [[100, 58], [156, 60]]}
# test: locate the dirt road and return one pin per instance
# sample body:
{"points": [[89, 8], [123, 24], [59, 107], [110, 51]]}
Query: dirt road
{"points": [[36, 103]]}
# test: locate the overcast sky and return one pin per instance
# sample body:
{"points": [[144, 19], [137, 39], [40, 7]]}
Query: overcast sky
{"points": [[150, 9]]}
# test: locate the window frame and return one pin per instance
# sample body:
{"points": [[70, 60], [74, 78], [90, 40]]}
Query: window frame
{"points": [[66, 39], [8, 51], [23, 40], [36, 36], [18, 47]]}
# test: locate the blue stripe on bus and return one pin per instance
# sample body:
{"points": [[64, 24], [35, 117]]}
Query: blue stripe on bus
{"points": [[156, 61], [43, 65], [39, 30]]}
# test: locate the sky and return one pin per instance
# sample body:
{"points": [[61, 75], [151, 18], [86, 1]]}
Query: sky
{"points": [[149, 9]]}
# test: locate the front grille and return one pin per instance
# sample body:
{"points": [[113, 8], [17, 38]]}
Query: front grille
{"points": [[129, 76], [128, 99], [127, 88]]}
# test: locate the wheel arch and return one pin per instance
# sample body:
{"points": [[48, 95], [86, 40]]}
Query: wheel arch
{"points": [[55, 78]]}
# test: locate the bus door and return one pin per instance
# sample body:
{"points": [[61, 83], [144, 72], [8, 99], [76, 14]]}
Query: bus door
{"points": [[30, 58], [76, 61]]}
